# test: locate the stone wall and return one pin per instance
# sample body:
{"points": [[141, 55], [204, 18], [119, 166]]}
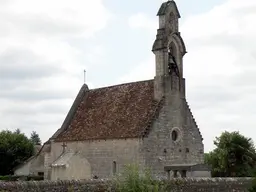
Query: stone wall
{"points": [[160, 149], [193, 137], [55, 186], [101, 154], [178, 185]]}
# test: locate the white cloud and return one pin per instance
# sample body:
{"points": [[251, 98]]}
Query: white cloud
{"points": [[42, 59], [59, 18], [140, 20], [144, 70], [219, 67]]}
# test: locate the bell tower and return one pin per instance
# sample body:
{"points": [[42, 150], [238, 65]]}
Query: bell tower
{"points": [[175, 142], [169, 50]]}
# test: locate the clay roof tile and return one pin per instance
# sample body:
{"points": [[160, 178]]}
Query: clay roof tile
{"points": [[121, 111]]}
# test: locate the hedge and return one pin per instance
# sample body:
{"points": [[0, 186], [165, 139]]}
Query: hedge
{"points": [[23, 178]]}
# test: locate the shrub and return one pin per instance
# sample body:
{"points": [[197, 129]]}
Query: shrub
{"points": [[35, 178], [9, 178], [24, 178], [253, 186], [131, 180]]}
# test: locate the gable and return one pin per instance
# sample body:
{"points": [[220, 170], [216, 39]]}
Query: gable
{"points": [[164, 7], [116, 112]]}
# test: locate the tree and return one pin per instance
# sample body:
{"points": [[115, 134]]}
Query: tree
{"points": [[35, 138], [15, 148], [234, 156], [17, 131]]}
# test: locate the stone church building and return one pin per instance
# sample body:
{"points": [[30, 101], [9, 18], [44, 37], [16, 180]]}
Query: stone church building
{"points": [[148, 123]]}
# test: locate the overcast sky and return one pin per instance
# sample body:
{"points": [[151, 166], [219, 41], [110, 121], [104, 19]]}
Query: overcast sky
{"points": [[45, 45]]}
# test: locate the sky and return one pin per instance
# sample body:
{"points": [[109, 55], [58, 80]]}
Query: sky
{"points": [[45, 46]]}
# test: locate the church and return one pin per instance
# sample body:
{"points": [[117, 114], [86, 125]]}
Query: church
{"points": [[148, 123]]}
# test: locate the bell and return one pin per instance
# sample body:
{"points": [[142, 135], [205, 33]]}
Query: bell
{"points": [[171, 59]]}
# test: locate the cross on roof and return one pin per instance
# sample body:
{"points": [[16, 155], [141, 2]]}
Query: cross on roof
{"points": [[64, 145], [84, 75]]}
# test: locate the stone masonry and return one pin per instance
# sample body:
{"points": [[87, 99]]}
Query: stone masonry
{"points": [[101, 154], [180, 185], [174, 137]]}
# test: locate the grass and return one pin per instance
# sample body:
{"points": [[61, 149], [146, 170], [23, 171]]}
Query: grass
{"points": [[132, 180]]}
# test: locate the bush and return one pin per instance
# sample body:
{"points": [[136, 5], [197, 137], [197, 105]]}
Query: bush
{"points": [[131, 180], [35, 178], [253, 187], [24, 178], [9, 178]]}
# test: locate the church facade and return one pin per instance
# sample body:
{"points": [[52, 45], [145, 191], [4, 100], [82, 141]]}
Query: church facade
{"points": [[148, 123]]}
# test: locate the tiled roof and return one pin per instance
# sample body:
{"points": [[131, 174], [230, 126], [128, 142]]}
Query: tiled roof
{"points": [[121, 111]]}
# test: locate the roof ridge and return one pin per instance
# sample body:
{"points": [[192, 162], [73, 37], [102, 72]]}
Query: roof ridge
{"points": [[121, 84]]}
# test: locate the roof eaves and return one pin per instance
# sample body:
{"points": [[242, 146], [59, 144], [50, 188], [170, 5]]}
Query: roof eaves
{"points": [[97, 139]]}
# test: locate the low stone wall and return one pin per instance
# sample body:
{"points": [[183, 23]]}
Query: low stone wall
{"points": [[177, 185], [56, 186]]}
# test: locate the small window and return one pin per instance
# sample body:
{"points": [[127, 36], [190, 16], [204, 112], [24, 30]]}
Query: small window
{"points": [[187, 150], [40, 173], [174, 135], [114, 167]]}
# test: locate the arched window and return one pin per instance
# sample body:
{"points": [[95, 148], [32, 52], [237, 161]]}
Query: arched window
{"points": [[173, 50], [174, 135], [173, 59]]}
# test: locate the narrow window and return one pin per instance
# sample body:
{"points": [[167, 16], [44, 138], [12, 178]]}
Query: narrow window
{"points": [[174, 135], [114, 167]]}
